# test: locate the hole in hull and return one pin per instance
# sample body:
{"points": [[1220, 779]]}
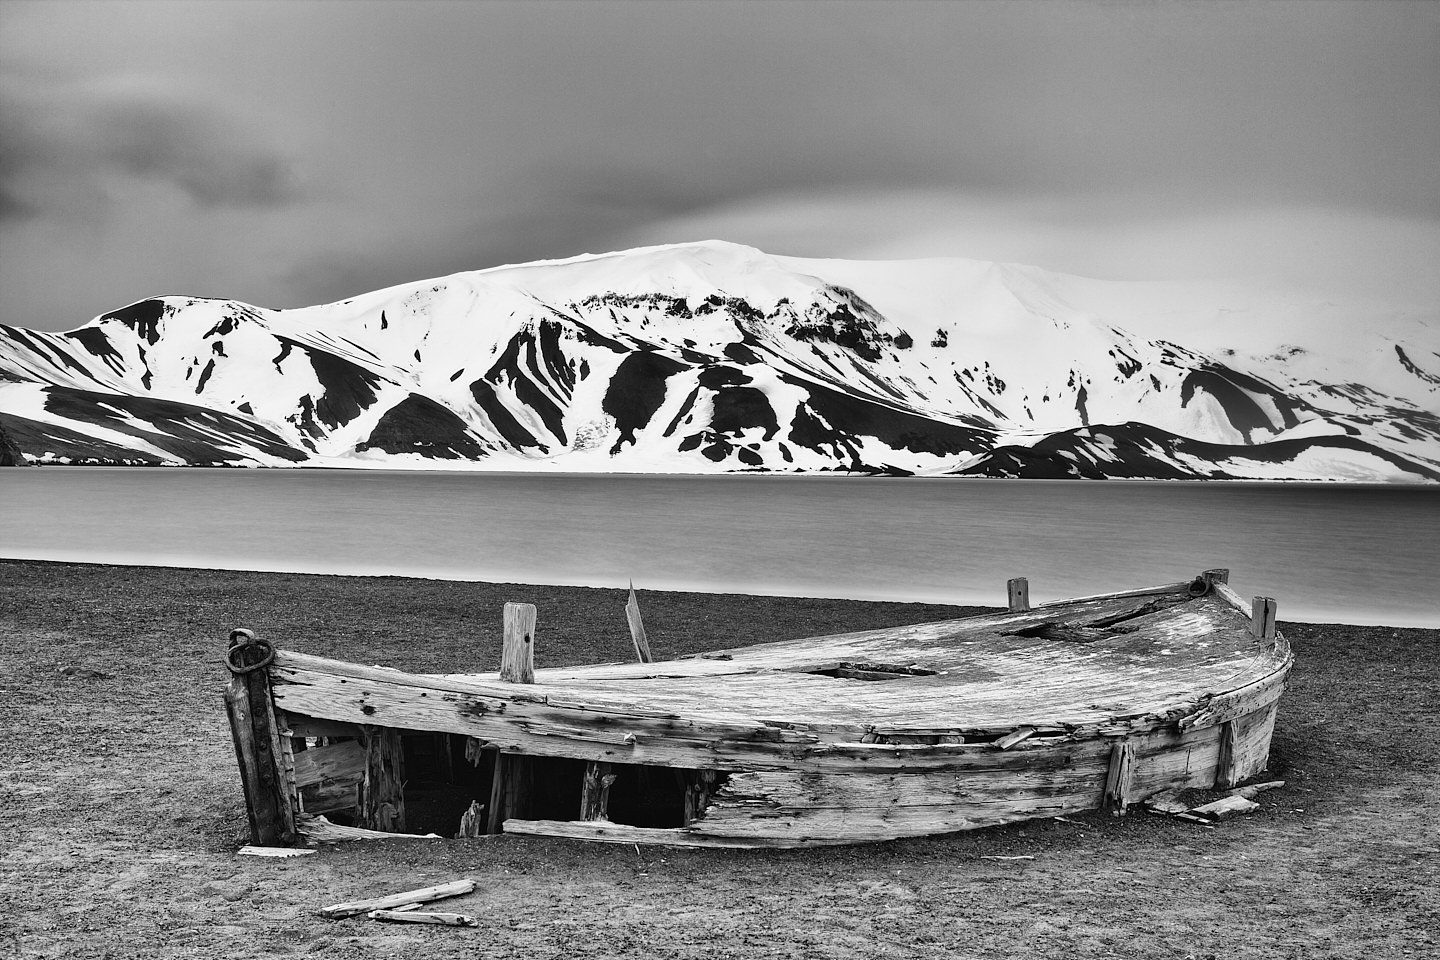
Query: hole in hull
{"points": [[438, 777]]}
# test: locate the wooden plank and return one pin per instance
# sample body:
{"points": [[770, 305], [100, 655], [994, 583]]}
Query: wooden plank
{"points": [[285, 757], [496, 805], [1167, 801], [303, 726], [750, 794], [1226, 807], [1216, 575], [382, 785], [329, 797], [442, 891], [1226, 768], [317, 829], [604, 831], [829, 825], [417, 916], [1018, 591], [781, 834], [509, 789], [1117, 778], [1252, 735], [237, 709], [1262, 618], [1015, 738], [249, 850], [343, 761], [258, 751], [517, 657], [519, 779], [1182, 586], [1224, 592], [595, 791], [637, 627], [1237, 702], [1249, 792]]}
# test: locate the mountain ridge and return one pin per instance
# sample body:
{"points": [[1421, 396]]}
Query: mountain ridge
{"points": [[714, 357]]}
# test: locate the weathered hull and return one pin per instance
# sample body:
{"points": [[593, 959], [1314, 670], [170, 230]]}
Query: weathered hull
{"points": [[777, 746]]}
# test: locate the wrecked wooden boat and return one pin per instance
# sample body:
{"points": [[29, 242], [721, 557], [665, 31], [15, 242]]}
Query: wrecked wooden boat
{"points": [[1034, 712]]}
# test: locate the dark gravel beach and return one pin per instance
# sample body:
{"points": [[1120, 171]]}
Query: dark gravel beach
{"points": [[120, 806]]}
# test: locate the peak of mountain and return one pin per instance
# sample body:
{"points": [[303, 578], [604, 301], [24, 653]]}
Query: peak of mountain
{"points": [[713, 356]]}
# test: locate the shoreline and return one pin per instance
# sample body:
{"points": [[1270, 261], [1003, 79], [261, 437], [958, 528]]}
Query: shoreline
{"points": [[439, 577], [477, 469]]}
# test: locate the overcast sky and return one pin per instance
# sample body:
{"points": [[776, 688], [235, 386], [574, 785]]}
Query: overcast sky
{"points": [[292, 153]]}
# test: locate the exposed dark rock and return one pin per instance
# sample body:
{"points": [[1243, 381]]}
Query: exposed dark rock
{"points": [[185, 431], [636, 391], [10, 455], [505, 423], [1235, 391], [420, 425], [143, 318], [1140, 451]]}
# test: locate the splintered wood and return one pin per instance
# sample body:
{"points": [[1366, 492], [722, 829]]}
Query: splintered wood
{"points": [[416, 916], [637, 628], [382, 789], [1118, 786], [281, 853], [455, 888], [472, 822], [864, 736], [318, 829], [595, 792]]}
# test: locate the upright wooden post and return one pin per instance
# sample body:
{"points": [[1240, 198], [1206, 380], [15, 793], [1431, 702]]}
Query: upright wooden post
{"points": [[470, 821], [509, 792], [517, 657], [637, 627], [1226, 763], [382, 787], [1262, 618], [1117, 777], [497, 794], [1019, 590], [595, 793], [258, 752]]}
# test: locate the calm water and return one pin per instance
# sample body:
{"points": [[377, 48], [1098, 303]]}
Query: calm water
{"points": [[1353, 554]]}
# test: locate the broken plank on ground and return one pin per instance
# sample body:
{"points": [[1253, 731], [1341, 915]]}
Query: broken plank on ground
{"points": [[404, 915], [454, 888]]}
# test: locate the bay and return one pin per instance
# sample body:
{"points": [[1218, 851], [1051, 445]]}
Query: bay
{"points": [[1327, 553]]}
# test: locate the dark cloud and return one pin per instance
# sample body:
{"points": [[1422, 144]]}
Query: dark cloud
{"points": [[434, 137], [210, 158], [65, 142], [13, 208]]}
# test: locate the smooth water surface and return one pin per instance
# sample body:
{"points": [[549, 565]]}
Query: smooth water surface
{"points": [[1327, 553]]}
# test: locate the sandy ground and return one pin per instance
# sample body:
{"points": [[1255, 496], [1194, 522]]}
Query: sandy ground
{"points": [[120, 808]]}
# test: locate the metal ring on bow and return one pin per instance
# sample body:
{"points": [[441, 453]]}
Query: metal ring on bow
{"points": [[242, 640]]}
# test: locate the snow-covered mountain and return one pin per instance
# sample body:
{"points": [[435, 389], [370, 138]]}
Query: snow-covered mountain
{"points": [[714, 357]]}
